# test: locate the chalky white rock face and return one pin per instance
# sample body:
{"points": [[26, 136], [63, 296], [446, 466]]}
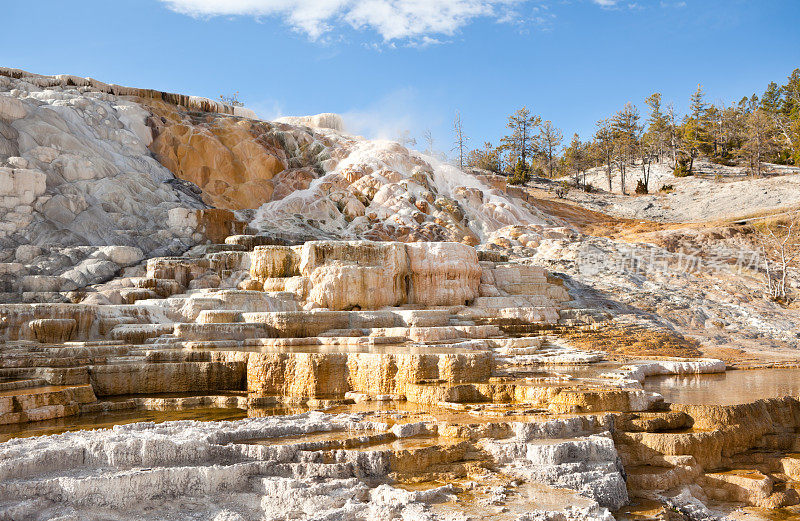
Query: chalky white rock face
{"points": [[209, 471], [325, 120], [79, 169], [76, 164], [75, 172], [381, 190]]}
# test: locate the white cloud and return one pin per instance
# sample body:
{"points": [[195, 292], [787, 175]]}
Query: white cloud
{"points": [[390, 116], [391, 19]]}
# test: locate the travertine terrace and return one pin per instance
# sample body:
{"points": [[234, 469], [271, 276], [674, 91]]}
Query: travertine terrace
{"points": [[377, 335]]}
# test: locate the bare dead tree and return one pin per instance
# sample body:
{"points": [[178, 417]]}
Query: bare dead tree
{"points": [[404, 138], [231, 99], [428, 137], [781, 251], [460, 141]]}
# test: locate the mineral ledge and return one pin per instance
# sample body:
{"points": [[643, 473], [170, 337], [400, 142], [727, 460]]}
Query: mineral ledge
{"points": [[401, 378]]}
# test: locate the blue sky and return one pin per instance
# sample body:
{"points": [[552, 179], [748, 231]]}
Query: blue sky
{"points": [[390, 65]]}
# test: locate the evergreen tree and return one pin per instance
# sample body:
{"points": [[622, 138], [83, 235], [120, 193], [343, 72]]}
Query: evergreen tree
{"points": [[658, 123], [673, 135], [576, 158], [549, 140], [520, 143], [789, 120], [695, 128], [487, 158], [760, 144], [604, 139], [771, 99], [626, 129]]}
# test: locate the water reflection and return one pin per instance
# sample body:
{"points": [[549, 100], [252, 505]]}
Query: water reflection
{"points": [[729, 388]]}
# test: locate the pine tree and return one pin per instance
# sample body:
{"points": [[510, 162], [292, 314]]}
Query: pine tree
{"points": [[549, 140], [604, 139], [791, 108], [771, 99], [520, 143], [576, 158], [673, 135], [788, 117], [658, 124], [695, 127], [626, 129], [487, 158], [760, 133]]}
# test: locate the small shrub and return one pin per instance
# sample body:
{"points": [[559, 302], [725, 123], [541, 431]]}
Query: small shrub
{"points": [[682, 169], [641, 188], [681, 172], [588, 188], [666, 188], [562, 189], [723, 160], [519, 177]]}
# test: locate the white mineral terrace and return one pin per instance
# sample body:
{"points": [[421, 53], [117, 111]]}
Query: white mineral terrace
{"points": [[448, 397], [194, 326]]}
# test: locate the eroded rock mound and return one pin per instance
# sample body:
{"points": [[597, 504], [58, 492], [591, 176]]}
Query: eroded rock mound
{"points": [[237, 163]]}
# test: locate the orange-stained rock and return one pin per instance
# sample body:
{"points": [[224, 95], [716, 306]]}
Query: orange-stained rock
{"points": [[222, 158], [217, 224], [250, 285]]}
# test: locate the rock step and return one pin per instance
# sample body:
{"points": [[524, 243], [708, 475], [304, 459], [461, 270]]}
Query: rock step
{"points": [[151, 378], [122, 488], [251, 241], [188, 402], [333, 488], [302, 471], [43, 402], [121, 405], [22, 384], [643, 478], [556, 451], [36, 361], [514, 301]]}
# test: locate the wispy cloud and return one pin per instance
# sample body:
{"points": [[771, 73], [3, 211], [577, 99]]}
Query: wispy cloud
{"points": [[417, 20], [390, 116]]}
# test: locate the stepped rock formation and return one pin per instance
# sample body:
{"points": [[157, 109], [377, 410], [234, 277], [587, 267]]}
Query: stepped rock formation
{"points": [[168, 257], [86, 165]]}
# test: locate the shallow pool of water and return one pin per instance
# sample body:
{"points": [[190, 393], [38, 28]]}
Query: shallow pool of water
{"points": [[728, 388], [106, 420], [387, 349]]}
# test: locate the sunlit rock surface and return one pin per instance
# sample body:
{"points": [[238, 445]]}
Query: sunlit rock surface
{"points": [[180, 258], [262, 469]]}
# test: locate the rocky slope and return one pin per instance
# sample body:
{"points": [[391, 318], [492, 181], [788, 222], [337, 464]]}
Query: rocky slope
{"points": [[715, 192], [86, 165], [186, 257]]}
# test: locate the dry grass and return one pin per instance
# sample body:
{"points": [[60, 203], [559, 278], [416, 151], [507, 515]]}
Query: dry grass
{"points": [[591, 222], [635, 342]]}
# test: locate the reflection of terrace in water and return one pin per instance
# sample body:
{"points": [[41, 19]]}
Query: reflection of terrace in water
{"points": [[728, 388]]}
